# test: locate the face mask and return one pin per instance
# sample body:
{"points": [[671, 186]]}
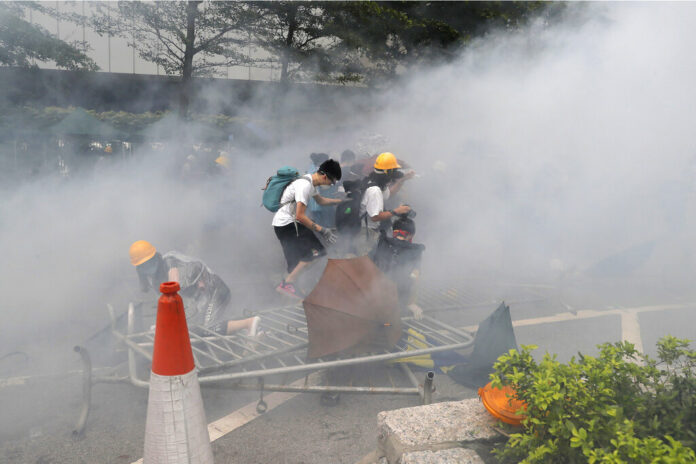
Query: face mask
{"points": [[149, 267]]}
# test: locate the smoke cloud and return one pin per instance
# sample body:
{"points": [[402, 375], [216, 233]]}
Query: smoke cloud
{"points": [[559, 152]]}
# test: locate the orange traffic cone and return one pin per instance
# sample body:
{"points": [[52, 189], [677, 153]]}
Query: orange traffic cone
{"points": [[176, 430]]}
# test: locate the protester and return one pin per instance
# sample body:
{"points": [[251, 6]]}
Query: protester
{"points": [[351, 170], [295, 230], [206, 297], [322, 215], [384, 181], [399, 258]]}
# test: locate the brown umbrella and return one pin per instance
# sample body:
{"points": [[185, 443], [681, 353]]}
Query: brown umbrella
{"points": [[352, 309]]}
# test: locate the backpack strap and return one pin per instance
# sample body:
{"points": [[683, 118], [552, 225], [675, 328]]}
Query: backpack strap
{"points": [[294, 219]]}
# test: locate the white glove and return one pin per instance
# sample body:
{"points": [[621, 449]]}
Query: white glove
{"points": [[416, 310], [328, 235]]}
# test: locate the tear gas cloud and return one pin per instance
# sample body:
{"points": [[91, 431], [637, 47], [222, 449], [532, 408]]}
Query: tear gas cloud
{"points": [[540, 154], [548, 150]]}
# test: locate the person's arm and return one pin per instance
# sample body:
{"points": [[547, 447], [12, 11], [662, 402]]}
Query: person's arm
{"points": [[173, 275], [384, 215], [323, 201], [302, 218], [301, 199], [396, 186]]}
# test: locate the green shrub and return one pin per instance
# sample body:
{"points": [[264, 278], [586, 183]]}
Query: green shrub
{"points": [[619, 407]]}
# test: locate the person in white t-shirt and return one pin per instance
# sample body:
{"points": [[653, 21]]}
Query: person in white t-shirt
{"points": [[295, 230], [382, 183]]}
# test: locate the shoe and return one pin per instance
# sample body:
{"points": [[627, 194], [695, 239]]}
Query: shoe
{"points": [[254, 329], [330, 398], [289, 289]]}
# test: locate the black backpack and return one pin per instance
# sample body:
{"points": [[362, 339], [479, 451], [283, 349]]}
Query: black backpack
{"points": [[394, 256], [348, 219]]}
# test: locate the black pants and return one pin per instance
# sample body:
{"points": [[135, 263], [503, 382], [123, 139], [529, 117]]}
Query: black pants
{"points": [[298, 244]]}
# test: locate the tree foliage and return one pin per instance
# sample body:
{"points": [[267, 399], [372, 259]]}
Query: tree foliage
{"points": [[620, 407], [185, 38], [326, 41], [21, 42], [295, 34], [158, 31], [382, 39]]}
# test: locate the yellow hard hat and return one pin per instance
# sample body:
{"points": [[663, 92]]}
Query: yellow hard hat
{"points": [[222, 160], [386, 161], [141, 251]]}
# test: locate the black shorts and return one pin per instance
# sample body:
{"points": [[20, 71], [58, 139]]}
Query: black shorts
{"points": [[298, 244]]}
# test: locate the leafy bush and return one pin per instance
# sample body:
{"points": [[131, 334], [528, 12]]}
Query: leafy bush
{"points": [[619, 407]]}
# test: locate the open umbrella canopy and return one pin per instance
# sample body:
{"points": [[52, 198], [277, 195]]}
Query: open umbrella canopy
{"points": [[352, 309], [81, 123]]}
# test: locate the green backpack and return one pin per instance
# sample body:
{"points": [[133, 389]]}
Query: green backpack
{"points": [[275, 186]]}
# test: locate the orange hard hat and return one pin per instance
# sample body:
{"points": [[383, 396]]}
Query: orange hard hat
{"points": [[141, 251], [502, 403]]}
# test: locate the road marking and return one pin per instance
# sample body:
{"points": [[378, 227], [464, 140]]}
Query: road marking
{"points": [[588, 314], [246, 414], [630, 329], [27, 379]]}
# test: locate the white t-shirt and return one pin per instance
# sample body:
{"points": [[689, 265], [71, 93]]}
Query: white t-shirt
{"points": [[300, 190], [373, 203]]}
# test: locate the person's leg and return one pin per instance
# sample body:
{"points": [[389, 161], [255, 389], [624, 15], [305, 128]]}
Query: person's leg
{"points": [[287, 235], [251, 324], [308, 248], [288, 240], [296, 272], [366, 242]]}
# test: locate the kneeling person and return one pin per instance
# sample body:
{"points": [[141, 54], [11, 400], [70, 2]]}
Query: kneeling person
{"points": [[206, 297]]}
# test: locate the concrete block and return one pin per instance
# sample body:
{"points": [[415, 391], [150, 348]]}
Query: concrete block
{"points": [[448, 456], [434, 427]]}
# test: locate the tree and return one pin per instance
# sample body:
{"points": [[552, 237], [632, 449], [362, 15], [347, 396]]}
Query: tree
{"points": [[21, 42], [372, 41], [186, 38], [295, 34], [381, 39]]}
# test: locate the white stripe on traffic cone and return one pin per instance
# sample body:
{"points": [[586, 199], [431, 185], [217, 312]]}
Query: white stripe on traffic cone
{"points": [[176, 430]]}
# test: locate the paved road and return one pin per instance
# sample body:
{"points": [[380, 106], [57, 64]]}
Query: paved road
{"points": [[38, 415]]}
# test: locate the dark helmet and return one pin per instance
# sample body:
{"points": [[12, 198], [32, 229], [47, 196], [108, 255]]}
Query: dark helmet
{"points": [[347, 156], [318, 158], [331, 168], [405, 224]]}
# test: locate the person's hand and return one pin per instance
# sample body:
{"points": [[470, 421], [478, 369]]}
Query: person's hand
{"points": [[403, 209], [416, 310], [328, 235], [410, 174]]}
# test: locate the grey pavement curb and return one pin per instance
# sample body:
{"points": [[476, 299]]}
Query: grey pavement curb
{"points": [[435, 427]]}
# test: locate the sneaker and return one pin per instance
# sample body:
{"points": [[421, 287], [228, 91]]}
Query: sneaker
{"points": [[330, 398], [254, 329], [289, 289]]}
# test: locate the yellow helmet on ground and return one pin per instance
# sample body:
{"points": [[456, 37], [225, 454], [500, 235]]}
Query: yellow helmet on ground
{"points": [[386, 161], [223, 161], [141, 251]]}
